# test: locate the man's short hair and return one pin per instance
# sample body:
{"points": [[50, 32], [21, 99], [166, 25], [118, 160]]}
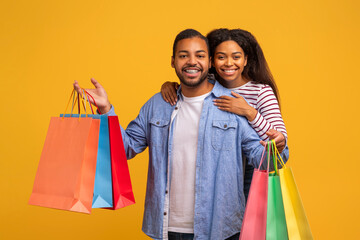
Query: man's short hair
{"points": [[190, 33]]}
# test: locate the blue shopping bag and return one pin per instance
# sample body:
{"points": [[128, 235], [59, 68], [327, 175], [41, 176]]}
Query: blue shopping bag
{"points": [[103, 196]]}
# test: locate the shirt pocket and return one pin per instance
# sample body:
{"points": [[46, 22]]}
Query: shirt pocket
{"points": [[159, 131], [223, 134]]}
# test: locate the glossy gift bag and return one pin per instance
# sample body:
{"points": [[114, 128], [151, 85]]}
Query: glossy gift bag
{"points": [[66, 170], [276, 223], [297, 224], [122, 190], [254, 222], [103, 196]]}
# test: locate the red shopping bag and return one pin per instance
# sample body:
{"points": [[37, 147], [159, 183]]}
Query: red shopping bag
{"points": [[255, 217], [122, 190], [66, 171]]}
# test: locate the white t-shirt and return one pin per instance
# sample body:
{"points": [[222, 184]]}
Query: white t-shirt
{"points": [[182, 179]]}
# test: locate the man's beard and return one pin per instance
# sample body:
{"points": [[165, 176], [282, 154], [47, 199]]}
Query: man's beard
{"points": [[202, 78]]}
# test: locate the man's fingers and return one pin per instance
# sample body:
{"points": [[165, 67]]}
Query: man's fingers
{"points": [[95, 83], [280, 141], [280, 148], [278, 138], [280, 145], [271, 132], [77, 88]]}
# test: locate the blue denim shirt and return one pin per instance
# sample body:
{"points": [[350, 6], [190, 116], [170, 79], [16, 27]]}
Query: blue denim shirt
{"points": [[223, 139]]}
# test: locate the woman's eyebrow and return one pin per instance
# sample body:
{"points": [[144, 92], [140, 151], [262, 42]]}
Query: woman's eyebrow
{"points": [[231, 53]]}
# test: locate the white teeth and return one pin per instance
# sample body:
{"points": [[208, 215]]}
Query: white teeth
{"points": [[191, 71], [229, 70]]}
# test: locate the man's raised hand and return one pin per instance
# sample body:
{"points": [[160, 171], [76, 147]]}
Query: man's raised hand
{"points": [[99, 95]]}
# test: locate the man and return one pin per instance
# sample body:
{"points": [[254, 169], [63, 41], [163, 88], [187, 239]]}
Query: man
{"points": [[195, 176]]}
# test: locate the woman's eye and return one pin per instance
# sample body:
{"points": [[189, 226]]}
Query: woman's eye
{"points": [[237, 57], [220, 57]]}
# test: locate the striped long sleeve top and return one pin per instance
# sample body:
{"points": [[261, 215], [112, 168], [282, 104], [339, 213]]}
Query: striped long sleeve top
{"points": [[262, 98]]}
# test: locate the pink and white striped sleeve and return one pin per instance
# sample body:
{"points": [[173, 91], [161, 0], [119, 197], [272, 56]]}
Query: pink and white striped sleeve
{"points": [[268, 116]]}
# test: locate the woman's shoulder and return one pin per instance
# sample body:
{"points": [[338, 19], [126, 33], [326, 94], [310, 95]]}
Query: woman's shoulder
{"points": [[260, 87], [252, 86], [257, 85]]}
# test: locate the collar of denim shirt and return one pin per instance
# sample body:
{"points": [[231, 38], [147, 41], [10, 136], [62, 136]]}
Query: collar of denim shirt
{"points": [[218, 90]]}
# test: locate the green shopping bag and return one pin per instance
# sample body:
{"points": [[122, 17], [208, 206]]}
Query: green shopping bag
{"points": [[276, 222]]}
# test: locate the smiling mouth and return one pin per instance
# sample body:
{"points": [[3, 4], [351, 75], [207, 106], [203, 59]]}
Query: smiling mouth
{"points": [[229, 70], [191, 71]]}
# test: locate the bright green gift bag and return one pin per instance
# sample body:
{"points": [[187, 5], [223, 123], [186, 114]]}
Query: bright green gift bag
{"points": [[276, 223]]}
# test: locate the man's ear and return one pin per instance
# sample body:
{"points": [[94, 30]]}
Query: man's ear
{"points": [[172, 61]]}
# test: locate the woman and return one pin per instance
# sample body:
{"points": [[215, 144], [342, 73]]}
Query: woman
{"points": [[238, 63]]}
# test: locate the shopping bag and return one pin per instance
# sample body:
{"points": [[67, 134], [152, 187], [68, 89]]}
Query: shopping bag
{"points": [[66, 170], [102, 196], [122, 190], [297, 224], [276, 223], [254, 221]]}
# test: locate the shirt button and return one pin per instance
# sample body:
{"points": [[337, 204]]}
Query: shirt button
{"points": [[166, 192], [164, 213], [157, 123], [225, 126], [176, 108]]}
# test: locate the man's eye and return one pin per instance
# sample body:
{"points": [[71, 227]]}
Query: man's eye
{"points": [[201, 56], [182, 56]]}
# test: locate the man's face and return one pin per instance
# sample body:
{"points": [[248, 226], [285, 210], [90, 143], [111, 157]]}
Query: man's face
{"points": [[191, 61]]}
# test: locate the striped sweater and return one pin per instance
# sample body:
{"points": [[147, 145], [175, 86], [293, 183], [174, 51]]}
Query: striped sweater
{"points": [[262, 98]]}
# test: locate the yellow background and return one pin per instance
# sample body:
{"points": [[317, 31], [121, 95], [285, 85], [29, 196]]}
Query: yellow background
{"points": [[313, 53]]}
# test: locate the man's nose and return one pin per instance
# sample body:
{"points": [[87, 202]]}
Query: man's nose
{"points": [[192, 60]]}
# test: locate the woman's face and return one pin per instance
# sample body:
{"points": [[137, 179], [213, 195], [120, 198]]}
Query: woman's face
{"points": [[229, 62]]}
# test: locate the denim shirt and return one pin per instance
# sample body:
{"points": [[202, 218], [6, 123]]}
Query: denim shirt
{"points": [[223, 139]]}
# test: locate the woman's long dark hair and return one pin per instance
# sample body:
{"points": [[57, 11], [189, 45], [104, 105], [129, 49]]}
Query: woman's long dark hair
{"points": [[256, 69]]}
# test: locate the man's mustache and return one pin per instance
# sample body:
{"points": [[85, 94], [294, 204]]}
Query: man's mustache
{"points": [[192, 67]]}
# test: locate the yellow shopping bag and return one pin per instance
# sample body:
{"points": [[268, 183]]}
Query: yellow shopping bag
{"points": [[297, 224]]}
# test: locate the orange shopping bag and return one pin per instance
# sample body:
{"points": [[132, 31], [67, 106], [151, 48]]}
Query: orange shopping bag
{"points": [[66, 171]]}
